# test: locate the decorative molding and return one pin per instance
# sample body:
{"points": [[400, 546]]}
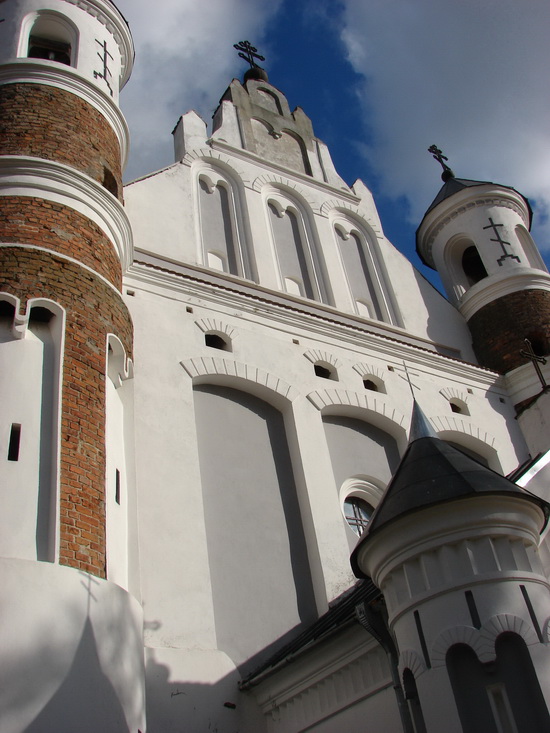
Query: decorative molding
{"points": [[315, 356], [207, 325], [410, 659], [450, 423], [367, 370], [455, 635], [69, 80], [207, 155], [483, 641], [210, 366], [21, 320], [36, 177], [499, 286], [499, 624], [372, 402], [336, 206], [451, 393], [283, 185]]}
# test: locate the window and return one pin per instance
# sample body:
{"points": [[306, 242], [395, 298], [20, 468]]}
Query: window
{"points": [[51, 37], [323, 372], [216, 342], [473, 267], [357, 513]]}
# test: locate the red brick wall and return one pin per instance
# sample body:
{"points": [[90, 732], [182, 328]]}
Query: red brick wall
{"points": [[93, 309], [499, 328], [45, 122], [54, 226]]}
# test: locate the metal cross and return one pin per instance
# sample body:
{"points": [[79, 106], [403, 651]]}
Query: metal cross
{"points": [[536, 360], [248, 52], [407, 377], [501, 241], [105, 56], [438, 155]]}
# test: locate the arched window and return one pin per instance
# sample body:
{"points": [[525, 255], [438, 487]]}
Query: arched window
{"points": [[221, 229], [52, 37], [368, 287], [473, 267], [357, 513], [299, 263]]}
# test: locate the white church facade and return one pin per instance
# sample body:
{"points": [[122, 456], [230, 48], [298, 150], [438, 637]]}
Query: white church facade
{"points": [[220, 382]]}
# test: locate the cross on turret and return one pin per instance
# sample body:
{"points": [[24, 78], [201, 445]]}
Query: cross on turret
{"points": [[437, 154], [248, 52]]}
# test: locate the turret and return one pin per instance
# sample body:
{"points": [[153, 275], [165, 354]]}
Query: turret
{"points": [[453, 547], [476, 235], [65, 356]]}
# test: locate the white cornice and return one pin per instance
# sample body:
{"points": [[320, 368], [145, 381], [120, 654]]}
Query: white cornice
{"points": [[32, 71], [25, 176], [110, 16], [497, 286], [292, 314]]}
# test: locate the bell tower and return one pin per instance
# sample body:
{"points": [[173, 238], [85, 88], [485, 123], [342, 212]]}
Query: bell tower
{"points": [[476, 235]]}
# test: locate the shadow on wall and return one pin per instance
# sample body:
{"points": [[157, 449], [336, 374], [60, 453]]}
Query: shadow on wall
{"points": [[86, 700], [191, 707]]}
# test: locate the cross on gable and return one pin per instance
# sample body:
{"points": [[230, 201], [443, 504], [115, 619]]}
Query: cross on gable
{"points": [[248, 52], [528, 353]]}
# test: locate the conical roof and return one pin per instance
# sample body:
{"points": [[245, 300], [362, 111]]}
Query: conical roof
{"points": [[433, 472]]}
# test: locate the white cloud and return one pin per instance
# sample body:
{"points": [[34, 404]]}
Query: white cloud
{"points": [[184, 59], [470, 76]]}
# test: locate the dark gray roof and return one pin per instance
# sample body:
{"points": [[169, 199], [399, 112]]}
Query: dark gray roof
{"points": [[433, 472]]}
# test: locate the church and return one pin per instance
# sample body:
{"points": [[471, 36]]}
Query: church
{"points": [[256, 473]]}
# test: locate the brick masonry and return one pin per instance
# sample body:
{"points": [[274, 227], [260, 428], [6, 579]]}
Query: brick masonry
{"points": [[45, 122], [499, 329], [93, 310], [57, 227]]}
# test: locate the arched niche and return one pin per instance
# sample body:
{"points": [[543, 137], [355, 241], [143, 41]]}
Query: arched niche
{"points": [[222, 230], [300, 264], [253, 520], [530, 249], [367, 280]]}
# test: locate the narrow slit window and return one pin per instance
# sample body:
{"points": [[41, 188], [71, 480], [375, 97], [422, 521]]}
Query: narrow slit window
{"points": [[117, 486], [15, 442]]}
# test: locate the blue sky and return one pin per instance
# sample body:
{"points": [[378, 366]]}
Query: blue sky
{"points": [[381, 80]]}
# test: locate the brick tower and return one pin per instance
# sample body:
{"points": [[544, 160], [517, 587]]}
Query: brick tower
{"points": [[66, 335]]}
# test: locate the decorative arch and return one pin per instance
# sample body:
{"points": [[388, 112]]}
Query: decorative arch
{"points": [[233, 373], [467, 635], [500, 624], [208, 325], [371, 407], [222, 228], [467, 434], [409, 659], [369, 373], [49, 35], [315, 356], [273, 182]]}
